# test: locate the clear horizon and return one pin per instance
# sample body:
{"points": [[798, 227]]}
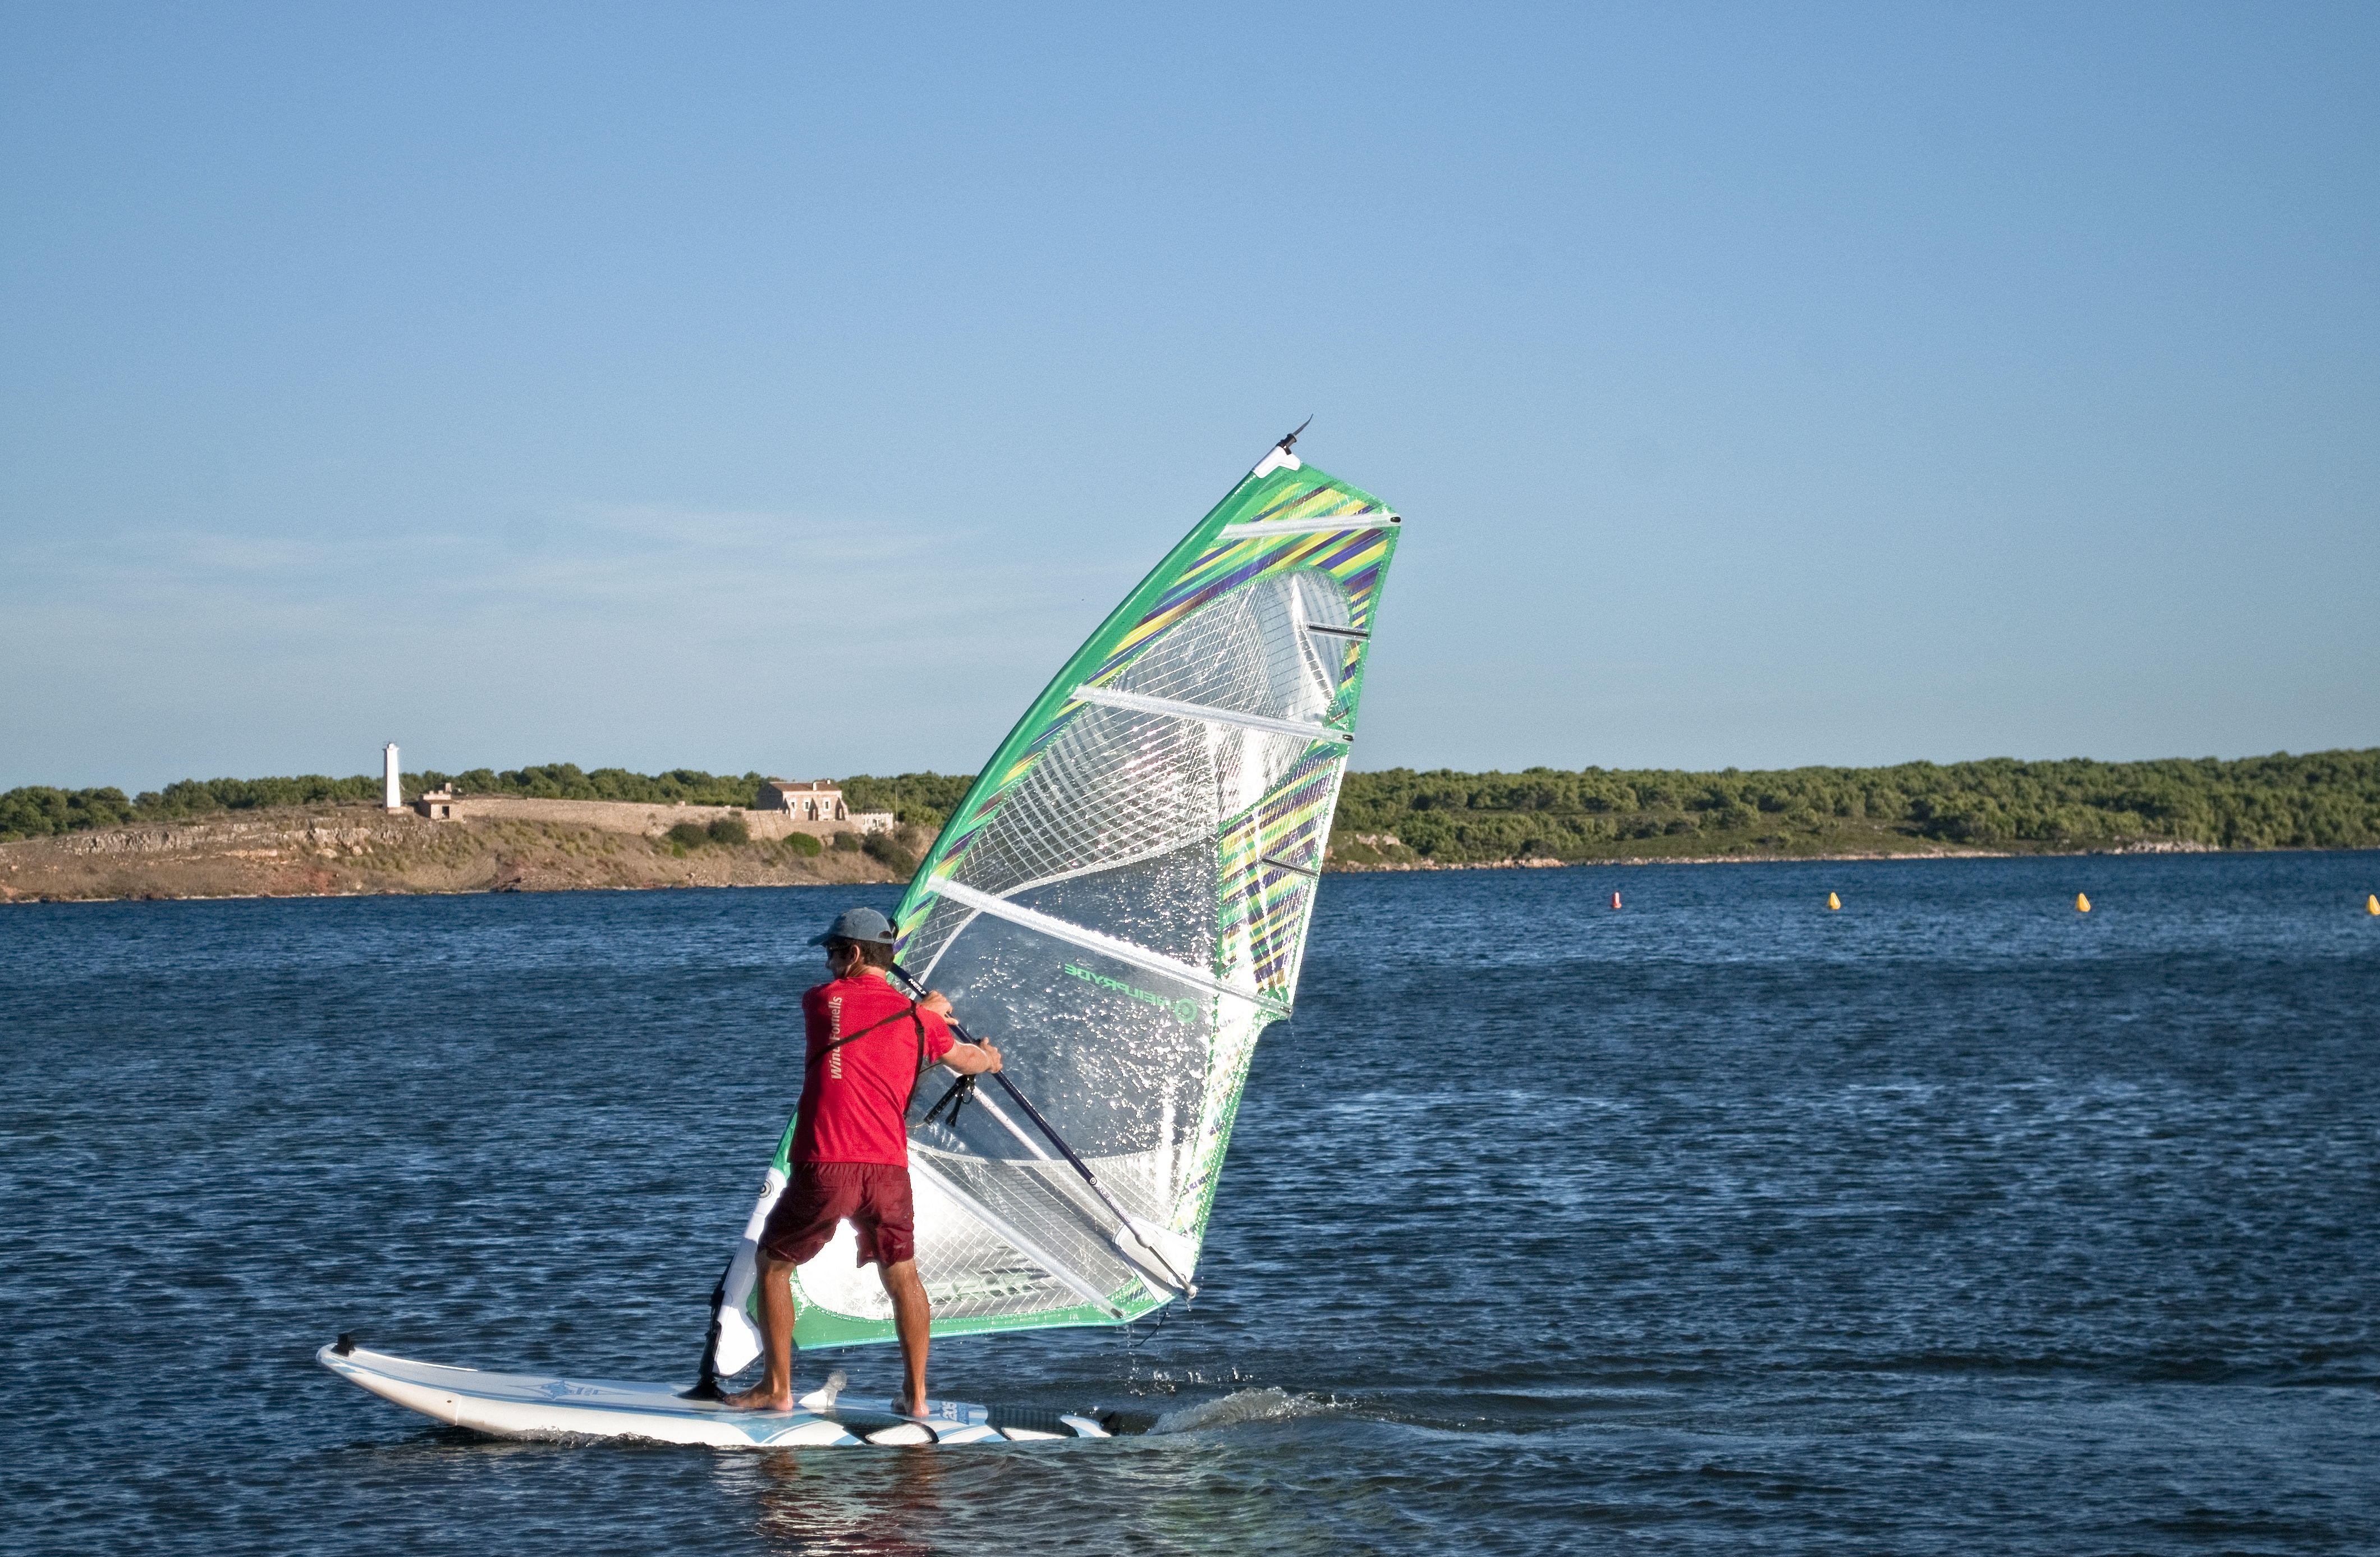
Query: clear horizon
{"points": [[760, 390]]}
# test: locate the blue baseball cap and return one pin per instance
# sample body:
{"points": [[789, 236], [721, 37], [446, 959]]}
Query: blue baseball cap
{"points": [[857, 924]]}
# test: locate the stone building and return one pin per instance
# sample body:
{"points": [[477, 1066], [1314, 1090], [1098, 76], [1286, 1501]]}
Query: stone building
{"points": [[779, 811], [813, 800]]}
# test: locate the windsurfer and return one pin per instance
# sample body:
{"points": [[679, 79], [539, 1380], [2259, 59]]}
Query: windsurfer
{"points": [[867, 1048]]}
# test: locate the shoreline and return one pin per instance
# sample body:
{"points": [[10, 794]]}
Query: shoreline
{"points": [[1365, 867], [504, 866]]}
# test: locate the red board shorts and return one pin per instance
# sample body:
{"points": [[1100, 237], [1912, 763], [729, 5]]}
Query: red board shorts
{"points": [[873, 1196]]}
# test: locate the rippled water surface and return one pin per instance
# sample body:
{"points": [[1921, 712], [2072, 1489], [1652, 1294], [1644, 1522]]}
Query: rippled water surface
{"points": [[1956, 1221]]}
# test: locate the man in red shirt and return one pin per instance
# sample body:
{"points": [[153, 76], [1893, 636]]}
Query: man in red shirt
{"points": [[867, 1047]]}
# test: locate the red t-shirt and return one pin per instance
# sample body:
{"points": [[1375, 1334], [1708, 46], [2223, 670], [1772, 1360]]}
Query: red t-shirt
{"points": [[853, 1095]]}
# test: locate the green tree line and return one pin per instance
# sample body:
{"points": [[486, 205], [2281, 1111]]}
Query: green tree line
{"points": [[923, 800], [39, 810], [2329, 800], [568, 781]]}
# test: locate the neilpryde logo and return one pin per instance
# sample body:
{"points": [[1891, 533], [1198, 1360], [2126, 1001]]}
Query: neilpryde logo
{"points": [[1184, 1010]]}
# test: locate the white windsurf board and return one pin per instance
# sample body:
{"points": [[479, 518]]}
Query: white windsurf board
{"points": [[535, 1406]]}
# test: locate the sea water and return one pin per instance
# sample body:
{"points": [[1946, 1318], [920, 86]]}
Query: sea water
{"points": [[1956, 1221]]}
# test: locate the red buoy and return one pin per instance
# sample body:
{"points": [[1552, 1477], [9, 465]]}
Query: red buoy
{"points": [[1615, 900]]}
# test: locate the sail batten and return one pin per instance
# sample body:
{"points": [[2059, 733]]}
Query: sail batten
{"points": [[1015, 1131], [1092, 939], [1211, 715], [1329, 524]]}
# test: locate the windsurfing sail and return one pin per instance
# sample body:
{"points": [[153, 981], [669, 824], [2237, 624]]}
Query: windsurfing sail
{"points": [[1121, 903]]}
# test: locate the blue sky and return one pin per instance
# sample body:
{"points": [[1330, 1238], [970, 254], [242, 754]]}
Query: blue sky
{"points": [[756, 386]]}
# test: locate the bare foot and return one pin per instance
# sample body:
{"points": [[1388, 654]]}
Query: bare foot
{"points": [[758, 1398], [901, 1406]]}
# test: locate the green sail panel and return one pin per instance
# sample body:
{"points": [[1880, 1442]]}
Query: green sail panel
{"points": [[1121, 903]]}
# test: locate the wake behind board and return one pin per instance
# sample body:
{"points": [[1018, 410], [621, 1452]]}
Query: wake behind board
{"points": [[533, 1406]]}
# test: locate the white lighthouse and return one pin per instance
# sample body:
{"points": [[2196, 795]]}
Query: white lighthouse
{"points": [[395, 799]]}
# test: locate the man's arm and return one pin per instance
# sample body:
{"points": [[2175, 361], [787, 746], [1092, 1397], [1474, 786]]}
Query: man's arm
{"points": [[967, 1058], [972, 1059]]}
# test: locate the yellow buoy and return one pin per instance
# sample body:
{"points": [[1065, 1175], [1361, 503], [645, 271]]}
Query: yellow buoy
{"points": [[2372, 903], [2082, 904], [1833, 902]]}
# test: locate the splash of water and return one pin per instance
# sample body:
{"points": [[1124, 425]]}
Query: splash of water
{"points": [[1239, 1408]]}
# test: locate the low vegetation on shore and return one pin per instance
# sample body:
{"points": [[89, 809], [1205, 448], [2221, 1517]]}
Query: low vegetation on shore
{"points": [[2323, 800], [1401, 817]]}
